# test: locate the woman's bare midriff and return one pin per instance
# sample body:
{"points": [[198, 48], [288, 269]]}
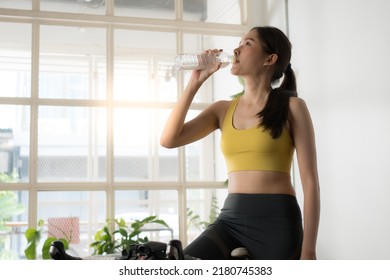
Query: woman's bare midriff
{"points": [[260, 182]]}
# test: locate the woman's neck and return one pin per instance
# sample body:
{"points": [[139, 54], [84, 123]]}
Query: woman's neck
{"points": [[256, 91]]}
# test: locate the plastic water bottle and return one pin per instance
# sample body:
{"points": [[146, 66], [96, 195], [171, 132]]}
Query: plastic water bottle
{"points": [[196, 61]]}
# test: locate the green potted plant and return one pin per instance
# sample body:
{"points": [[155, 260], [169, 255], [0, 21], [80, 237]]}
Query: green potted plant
{"points": [[125, 235]]}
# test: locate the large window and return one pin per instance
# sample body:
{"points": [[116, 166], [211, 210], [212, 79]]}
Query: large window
{"points": [[86, 87]]}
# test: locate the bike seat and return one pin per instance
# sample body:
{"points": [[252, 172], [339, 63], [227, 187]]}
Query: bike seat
{"points": [[241, 253]]}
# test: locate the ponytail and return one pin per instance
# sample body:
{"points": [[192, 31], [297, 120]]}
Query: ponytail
{"points": [[275, 113], [289, 82]]}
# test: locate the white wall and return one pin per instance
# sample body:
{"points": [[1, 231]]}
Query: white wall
{"points": [[341, 52]]}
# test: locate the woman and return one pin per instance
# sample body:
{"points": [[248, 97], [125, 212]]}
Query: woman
{"points": [[260, 131]]}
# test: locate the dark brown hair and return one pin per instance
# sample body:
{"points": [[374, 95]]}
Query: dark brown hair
{"points": [[275, 113]]}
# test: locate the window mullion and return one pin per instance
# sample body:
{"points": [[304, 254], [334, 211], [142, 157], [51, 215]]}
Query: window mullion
{"points": [[179, 9], [33, 169], [110, 192]]}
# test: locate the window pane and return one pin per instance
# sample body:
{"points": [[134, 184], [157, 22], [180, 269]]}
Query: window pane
{"points": [[71, 144], [139, 204], [73, 215], [137, 149], [13, 223], [204, 160], [142, 67], [15, 60], [97, 7], [14, 142], [200, 160], [217, 11], [16, 4], [203, 207], [145, 8], [72, 65]]}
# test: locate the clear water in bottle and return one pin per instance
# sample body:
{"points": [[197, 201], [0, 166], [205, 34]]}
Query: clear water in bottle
{"points": [[201, 61]]}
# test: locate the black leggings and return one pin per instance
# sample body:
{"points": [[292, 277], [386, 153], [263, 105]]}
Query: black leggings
{"points": [[268, 225]]}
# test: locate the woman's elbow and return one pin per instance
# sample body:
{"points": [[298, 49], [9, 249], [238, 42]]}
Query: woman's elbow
{"points": [[166, 143]]}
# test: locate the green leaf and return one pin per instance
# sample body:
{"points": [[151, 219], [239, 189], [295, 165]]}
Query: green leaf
{"points": [[134, 233], [46, 248], [33, 237], [137, 224], [97, 235], [237, 94], [41, 223], [121, 222], [150, 218], [123, 232], [143, 240], [161, 222]]}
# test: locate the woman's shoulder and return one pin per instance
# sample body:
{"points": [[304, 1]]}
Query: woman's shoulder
{"points": [[296, 103], [220, 108], [298, 109], [222, 104]]}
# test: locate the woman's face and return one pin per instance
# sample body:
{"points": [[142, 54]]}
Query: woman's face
{"points": [[249, 55]]}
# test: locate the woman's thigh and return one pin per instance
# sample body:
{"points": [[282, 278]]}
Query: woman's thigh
{"points": [[215, 243]]}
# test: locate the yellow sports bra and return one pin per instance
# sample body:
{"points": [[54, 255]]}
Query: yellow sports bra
{"points": [[254, 148]]}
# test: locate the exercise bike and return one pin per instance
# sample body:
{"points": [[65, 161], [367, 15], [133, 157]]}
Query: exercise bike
{"points": [[152, 250]]}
